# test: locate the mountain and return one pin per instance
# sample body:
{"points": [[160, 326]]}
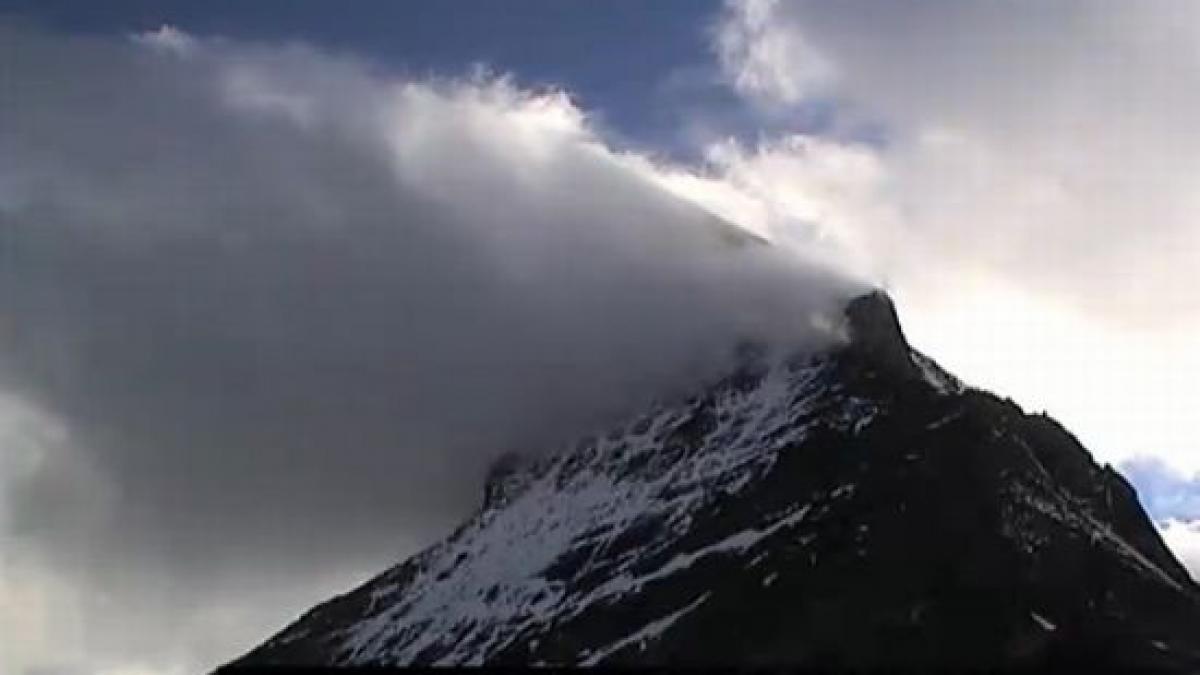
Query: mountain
{"points": [[853, 508]]}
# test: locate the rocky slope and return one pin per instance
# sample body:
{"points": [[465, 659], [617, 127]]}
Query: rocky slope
{"points": [[854, 508]]}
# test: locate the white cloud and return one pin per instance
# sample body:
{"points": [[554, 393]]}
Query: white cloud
{"points": [[167, 38], [1031, 203], [770, 65]]}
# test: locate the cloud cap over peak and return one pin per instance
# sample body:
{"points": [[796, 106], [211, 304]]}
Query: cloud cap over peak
{"points": [[254, 293]]}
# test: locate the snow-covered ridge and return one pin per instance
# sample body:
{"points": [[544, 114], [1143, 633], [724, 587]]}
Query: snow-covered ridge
{"points": [[575, 516]]}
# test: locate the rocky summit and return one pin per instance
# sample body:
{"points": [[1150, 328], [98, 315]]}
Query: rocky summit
{"points": [[858, 507]]}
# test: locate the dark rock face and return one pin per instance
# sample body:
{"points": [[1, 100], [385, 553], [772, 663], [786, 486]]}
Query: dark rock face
{"points": [[856, 508]]}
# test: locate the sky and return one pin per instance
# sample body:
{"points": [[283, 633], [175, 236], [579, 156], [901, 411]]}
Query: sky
{"points": [[253, 258]]}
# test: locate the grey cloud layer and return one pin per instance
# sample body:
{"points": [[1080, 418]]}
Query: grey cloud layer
{"points": [[270, 312]]}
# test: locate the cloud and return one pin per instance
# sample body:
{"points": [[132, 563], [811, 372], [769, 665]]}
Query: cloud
{"points": [[1027, 188], [167, 38], [268, 313], [766, 63], [1165, 492], [804, 191], [1045, 141]]}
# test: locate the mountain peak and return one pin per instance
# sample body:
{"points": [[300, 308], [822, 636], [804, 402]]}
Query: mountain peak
{"points": [[857, 507], [875, 331]]}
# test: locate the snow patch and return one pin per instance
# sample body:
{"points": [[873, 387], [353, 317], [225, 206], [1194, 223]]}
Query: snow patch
{"points": [[1042, 621], [942, 382], [651, 631], [939, 423]]}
